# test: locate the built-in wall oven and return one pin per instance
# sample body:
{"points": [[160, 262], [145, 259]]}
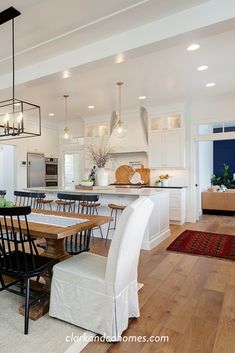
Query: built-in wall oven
{"points": [[51, 165]]}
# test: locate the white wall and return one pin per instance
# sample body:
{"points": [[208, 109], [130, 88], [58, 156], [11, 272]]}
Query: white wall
{"points": [[217, 109], [47, 143], [205, 167], [213, 108], [75, 144], [7, 168]]}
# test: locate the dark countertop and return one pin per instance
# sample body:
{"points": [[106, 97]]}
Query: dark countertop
{"points": [[139, 186], [165, 187]]}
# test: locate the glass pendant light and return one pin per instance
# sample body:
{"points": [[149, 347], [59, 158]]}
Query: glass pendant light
{"points": [[66, 129], [120, 129]]}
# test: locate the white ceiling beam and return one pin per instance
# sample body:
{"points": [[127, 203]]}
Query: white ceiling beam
{"points": [[207, 14]]}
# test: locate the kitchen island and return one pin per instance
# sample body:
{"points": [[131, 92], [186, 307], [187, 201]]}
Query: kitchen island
{"points": [[158, 228]]}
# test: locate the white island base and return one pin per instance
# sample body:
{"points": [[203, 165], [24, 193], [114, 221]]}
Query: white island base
{"points": [[158, 228]]}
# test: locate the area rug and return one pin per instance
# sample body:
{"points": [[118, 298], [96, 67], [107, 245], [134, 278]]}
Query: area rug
{"points": [[46, 335], [204, 243]]}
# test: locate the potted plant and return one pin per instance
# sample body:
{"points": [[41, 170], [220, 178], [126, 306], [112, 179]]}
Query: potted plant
{"points": [[6, 203], [100, 156], [158, 182], [225, 179]]}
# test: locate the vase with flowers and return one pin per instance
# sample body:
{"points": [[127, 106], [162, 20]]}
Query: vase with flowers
{"points": [[163, 180], [100, 156]]}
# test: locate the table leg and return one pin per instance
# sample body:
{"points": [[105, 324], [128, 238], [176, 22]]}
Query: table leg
{"points": [[55, 249]]}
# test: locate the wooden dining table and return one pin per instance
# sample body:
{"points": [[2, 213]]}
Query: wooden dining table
{"points": [[54, 236]]}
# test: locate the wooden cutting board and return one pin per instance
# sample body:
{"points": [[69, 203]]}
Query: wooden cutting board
{"points": [[145, 174], [123, 174]]}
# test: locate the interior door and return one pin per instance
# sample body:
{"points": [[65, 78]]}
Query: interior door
{"points": [[73, 169]]}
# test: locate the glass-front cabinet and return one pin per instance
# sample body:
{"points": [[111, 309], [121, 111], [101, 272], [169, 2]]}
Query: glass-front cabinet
{"points": [[166, 140], [96, 133], [96, 130], [166, 122]]}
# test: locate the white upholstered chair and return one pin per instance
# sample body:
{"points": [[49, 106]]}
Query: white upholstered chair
{"points": [[97, 293]]}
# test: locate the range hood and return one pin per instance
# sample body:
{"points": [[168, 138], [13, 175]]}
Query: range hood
{"points": [[136, 139]]}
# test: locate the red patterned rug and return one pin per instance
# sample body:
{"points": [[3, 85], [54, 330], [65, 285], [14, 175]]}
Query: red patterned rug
{"points": [[203, 243]]}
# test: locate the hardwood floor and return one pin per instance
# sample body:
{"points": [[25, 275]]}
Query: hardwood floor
{"points": [[191, 299]]}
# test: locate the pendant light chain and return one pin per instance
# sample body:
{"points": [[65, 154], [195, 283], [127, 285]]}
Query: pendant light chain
{"points": [[66, 129], [66, 111], [13, 60], [119, 84], [120, 103], [12, 124]]}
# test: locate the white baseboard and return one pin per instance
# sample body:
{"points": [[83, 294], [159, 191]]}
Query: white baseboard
{"points": [[149, 245]]}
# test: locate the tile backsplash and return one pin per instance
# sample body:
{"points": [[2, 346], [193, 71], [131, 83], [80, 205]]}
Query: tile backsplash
{"points": [[178, 177]]}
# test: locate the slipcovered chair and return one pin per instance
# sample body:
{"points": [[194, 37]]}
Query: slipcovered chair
{"points": [[100, 294]]}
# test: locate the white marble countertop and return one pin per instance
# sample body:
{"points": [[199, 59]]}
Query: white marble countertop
{"points": [[114, 191]]}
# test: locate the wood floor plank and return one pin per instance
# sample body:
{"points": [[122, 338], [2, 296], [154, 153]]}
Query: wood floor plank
{"points": [[181, 314], [200, 336], [189, 298], [225, 338], [175, 338], [209, 305]]}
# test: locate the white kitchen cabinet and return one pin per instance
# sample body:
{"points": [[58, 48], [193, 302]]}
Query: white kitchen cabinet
{"points": [[156, 149], [177, 205], [166, 149], [174, 148], [166, 142]]}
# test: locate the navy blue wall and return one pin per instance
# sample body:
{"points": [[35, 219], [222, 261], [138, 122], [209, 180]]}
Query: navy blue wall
{"points": [[223, 152]]}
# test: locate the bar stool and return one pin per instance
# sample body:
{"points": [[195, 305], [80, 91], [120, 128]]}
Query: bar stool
{"points": [[45, 202], [114, 209], [89, 205], [65, 202]]}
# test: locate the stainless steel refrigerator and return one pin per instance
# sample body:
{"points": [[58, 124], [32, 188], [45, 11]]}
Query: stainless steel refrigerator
{"points": [[36, 170]]}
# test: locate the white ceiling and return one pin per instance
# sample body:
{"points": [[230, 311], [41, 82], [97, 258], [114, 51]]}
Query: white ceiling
{"points": [[48, 28], [164, 73]]}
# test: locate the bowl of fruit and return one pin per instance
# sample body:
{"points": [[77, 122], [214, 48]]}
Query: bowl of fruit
{"points": [[87, 182]]}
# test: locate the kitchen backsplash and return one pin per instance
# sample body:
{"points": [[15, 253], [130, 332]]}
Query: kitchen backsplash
{"points": [[178, 177]]}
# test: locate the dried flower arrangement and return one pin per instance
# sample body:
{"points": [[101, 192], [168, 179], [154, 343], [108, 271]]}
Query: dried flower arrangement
{"points": [[164, 176], [99, 154]]}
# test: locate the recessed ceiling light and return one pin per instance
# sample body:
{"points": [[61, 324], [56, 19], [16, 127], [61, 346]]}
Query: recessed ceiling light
{"points": [[66, 74], [91, 107], [202, 68], [210, 84], [120, 58], [193, 47], [51, 114], [142, 97]]}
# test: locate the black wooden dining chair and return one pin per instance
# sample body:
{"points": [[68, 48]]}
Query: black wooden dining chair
{"points": [[85, 204], [2, 193], [32, 199], [19, 257], [81, 203]]}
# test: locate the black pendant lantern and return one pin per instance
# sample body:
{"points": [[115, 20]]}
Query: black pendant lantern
{"points": [[18, 118]]}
